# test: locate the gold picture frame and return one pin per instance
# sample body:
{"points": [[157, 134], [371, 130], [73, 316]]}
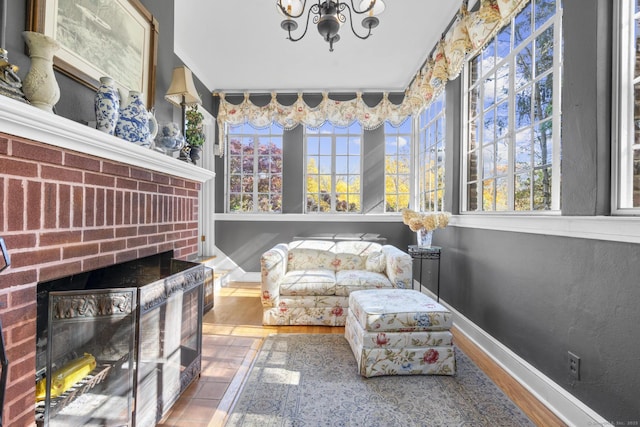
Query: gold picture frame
{"points": [[115, 38]]}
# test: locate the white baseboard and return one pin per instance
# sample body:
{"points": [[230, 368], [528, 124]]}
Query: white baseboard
{"points": [[562, 403]]}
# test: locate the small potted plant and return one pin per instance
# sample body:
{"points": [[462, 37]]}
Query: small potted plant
{"points": [[194, 132]]}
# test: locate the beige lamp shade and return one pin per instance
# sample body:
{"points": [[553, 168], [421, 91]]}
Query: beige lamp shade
{"points": [[182, 84]]}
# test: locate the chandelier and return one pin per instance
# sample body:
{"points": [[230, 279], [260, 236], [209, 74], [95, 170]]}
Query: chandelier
{"points": [[328, 16]]}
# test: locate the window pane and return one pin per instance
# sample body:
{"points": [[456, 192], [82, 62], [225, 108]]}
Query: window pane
{"points": [[502, 119], [523, 150], [542, 189], [524, 64], [544, 51], [488, 163], [503, 43], [502, 82], [472, 197], [522, 25], [488, 191], [502, 157], [543, 144], [502, 194], [523, 108], [545, 9], [523, 192], [544, 98]]}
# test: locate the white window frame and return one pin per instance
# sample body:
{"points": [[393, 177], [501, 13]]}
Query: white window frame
{"points": [[623, 108], [336, 132], [422, 148], [397, 176], [556, 21], [257, 136]]}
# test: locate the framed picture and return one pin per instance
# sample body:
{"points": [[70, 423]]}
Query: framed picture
{"points": [[115, 38]]}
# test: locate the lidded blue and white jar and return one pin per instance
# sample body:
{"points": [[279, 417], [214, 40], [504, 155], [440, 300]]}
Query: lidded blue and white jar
{"points": [[107, 106], [133, 123]]}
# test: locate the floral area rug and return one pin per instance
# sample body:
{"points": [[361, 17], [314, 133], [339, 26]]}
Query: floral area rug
{"points": [[312, 380]]}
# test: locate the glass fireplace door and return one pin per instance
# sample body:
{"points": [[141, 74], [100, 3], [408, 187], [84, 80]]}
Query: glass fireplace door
{"points": [[90, 355]]}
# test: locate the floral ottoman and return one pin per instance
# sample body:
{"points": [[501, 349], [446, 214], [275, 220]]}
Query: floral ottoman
{"points": [[399, 332]]}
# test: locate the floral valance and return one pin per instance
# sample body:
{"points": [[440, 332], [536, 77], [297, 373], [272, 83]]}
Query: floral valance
{"points": [[469, 33], [339, 113]]}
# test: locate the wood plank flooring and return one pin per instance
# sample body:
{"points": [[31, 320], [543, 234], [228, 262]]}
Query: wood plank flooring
{"points": [[232, 335]]}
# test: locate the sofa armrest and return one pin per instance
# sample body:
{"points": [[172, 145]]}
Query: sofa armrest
{"points": [[399, 267], [273, 266]]}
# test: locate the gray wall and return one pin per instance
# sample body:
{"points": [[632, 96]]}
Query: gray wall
{"points": [[539, 295]]}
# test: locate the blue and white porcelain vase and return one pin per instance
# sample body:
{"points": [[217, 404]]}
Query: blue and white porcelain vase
{"points": [[133, 123], [107, 106]]}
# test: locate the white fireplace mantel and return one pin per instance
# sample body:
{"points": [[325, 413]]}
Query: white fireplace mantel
{"points": [[26, 121]]}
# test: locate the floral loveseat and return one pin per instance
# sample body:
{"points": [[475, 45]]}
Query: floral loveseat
{"points": [[308, 282]]}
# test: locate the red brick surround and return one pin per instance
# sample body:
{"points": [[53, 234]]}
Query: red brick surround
{"points": [[63, 213]]}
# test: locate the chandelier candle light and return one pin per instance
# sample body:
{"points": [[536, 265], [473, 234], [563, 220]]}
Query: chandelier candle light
{"points": [[329, 15], [424, 224]]}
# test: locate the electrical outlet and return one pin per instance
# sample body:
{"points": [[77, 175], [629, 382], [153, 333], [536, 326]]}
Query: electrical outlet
{"points": [[574, 366]]}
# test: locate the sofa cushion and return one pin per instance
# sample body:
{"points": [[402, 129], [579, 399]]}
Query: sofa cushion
{"points": [[344, 261], [302, 259], [376, 262], [308, 282], [348, 281]]}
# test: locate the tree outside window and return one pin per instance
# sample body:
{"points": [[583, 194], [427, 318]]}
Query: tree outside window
{"points": [[333, 169], [254, 169]]}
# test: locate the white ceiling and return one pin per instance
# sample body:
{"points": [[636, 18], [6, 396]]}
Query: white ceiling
{"points": [[238, 46]]}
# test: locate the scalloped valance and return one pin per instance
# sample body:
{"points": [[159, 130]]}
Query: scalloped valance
{"points": [[468, 34]]}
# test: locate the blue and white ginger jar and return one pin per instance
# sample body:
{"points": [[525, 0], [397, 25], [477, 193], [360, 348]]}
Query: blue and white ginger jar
{"points": [[107, 106], [133, 123]]}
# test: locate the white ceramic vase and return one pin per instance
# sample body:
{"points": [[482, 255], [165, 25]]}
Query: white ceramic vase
{"points": [[424, 238], [40, 86], [107, 106]]}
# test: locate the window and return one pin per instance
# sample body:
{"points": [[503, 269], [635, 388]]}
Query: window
{"points": [[431, 150], [627, 97], [333, 168], [254, 169], [397, 166], [512, 133]]}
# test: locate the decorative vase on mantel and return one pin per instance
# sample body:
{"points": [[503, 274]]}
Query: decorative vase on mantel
{"points": [[135, 123], [107, 106], [424, 237], [40, 86]]}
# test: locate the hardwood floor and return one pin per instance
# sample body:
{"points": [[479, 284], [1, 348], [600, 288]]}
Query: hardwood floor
{"points": [[232, 335]]}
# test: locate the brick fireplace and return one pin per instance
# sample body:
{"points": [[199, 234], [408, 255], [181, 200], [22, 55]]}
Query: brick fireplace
{"points": [[74, 200]]}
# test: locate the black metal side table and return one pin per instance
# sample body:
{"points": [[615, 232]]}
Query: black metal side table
{"points": [[431, 253]]}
